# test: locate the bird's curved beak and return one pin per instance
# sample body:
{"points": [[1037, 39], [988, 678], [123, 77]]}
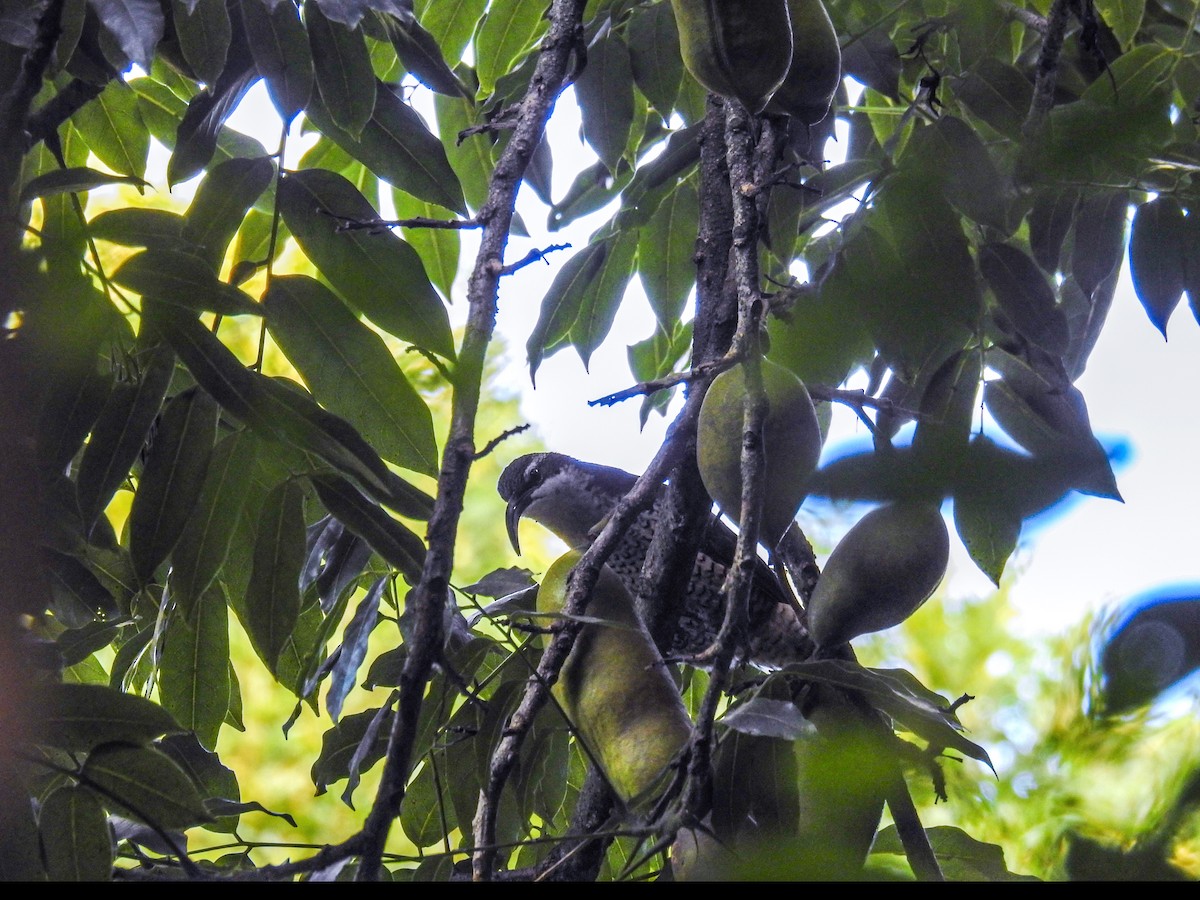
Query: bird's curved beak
{"points": [[512, 517]]}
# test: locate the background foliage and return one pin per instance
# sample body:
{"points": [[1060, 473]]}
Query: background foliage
{"points": [[245, 479]]}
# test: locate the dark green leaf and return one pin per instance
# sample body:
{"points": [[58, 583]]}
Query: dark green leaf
{"points": [[960, 856], [81, 716], [341, 743], [283, 414], [220, 204], [378, 274], [426, 812], [343, 70], [989, 529], [998, 93], [76, 839], [765, 717], [273, 595], [113, 128], [204, 544], [873, 60], [199, 131], [72, 180], [217, 783], [366, 746], [666, 253], [135, 226], [605, 94], [78, 595], [120, 431], [1050, 220], [172, 479], [204, 31], [600, 303], [350, 369], [953, 156], [398, 147], [136, 25], [420, 54], [473, 159], [1158, 245], [144, 784], [654, 55], [560, 307], [179, 277], [1099, 237], [353, 648], [281, 53], [1025, 295], [396, 544], [193, 679]]}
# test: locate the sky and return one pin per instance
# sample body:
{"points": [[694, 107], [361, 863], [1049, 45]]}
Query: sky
{"points": [[1087, 554]]}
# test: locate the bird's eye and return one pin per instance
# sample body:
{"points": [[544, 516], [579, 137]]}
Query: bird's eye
{"points": [[534, 474]]}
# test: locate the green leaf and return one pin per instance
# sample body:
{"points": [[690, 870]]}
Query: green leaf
{"points": [[136, 25], [76, 717], [350, 370], [73, 180], [378, 274], [343, 70], [1124, 17], [135, 226], [273, 595], [960, 856], [1158, 245], [198, 134], [179, 277], [399, 547], [220, 203], [560, 307], [79, 597], [506, 32], [1099, 237], [172, 479], [666, 253], [198, 557], [420, 54], [473, 159], [113, 128], [605, 94], [204, 31], [120, 431], [426, 812], [1025, 296], [451, 22], [354, 648], [439, 248], [283, 414], [398, 147], [144, 784], [193, 680], [280, 48], [600, 304], [996, 92], [654, 55], [341, 743], [76, 838], [989, 529]]}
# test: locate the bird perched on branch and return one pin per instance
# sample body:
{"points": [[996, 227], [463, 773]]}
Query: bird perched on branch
{"points": [[571, 498]]}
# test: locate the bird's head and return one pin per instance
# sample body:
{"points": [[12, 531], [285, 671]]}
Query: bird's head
{"points": [[562, 493]]}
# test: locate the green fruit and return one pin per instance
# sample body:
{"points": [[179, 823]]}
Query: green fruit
{"points": [[816, 69], [885, 567], [615, 688], [736, 48], [791, 441]]}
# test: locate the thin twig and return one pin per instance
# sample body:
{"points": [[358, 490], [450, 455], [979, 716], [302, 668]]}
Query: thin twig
{"points": [[535, 255], [501, 438]]}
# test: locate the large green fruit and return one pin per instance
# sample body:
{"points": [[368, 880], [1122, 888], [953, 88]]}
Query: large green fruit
{"points": [[614, 687], [736, 48], [885, 567], [816, 69], [791, 442]]}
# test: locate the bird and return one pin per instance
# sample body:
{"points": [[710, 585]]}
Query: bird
{"points": [[572, 497]]}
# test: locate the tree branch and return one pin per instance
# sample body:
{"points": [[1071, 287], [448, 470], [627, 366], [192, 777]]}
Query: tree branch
{"points": [[429, 597]]}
